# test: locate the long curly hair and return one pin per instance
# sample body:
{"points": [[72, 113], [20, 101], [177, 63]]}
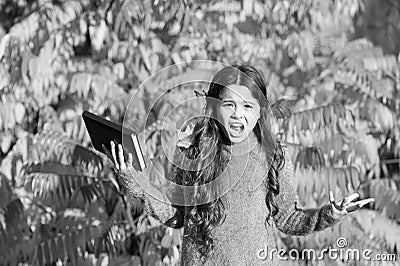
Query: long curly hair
{"points": [[207, 139]]}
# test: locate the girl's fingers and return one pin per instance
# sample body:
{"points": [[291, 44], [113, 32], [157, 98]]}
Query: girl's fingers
{"points": [[106, 151], [344, 203], [353, 197], [130, 159], [348, 199], [364, 201], [352, 207], [358, 204], [331, 199], [347, 205], [121, 157], [114, 155]]}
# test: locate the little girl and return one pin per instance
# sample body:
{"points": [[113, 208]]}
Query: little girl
{"points": [[234, 142]]}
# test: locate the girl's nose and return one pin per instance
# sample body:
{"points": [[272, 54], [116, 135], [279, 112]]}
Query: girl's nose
{"points": [[238, 112]]}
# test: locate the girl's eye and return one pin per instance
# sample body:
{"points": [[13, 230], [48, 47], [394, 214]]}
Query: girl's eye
{"points": [[228, 104], [248, 106]]}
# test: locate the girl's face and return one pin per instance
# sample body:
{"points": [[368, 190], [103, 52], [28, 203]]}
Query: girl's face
{"points": [[238, 111]]}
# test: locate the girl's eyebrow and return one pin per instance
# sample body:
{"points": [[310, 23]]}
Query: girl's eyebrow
{"points": [[231, 100], [249, 102]]}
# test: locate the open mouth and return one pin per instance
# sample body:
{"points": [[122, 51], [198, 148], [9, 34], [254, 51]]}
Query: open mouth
{"points": [[236, 129]]}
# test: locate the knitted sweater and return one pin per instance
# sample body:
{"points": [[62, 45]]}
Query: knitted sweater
{"points": [[244, 233]]}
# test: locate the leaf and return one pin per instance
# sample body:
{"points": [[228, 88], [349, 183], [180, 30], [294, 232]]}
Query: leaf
{"points": [[14, 213], [5, 191], [65, 13], [380, 227], [355, 178], [387, 63], [70, 249], [53, 250], [19, 112], [387, 199], [61, 249], [119, 70], [39, 253], [283, 108], [4, 42], [342, 182], [99, 87], [81, 84], [331, 180], [46, 252], [50, 167], [319, 182], [145, 57], [27, 28], [88, 192], [99, 35], [6, 141]]}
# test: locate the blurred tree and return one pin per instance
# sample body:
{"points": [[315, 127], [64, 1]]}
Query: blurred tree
{"points": [[336, 101]]}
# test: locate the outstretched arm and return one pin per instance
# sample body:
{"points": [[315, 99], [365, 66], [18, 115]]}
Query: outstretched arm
{"points": [[298, 221], [154, 201]]}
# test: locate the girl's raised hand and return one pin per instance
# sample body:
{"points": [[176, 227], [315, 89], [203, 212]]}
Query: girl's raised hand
{"points": [[125, 169], [346, 205], [119, 161]]}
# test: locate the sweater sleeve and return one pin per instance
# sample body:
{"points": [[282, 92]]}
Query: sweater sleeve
{"points": [[155, 202], [291, 219]]}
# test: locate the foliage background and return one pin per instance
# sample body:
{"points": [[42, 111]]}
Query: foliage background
{"points": [[333, 75]]}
